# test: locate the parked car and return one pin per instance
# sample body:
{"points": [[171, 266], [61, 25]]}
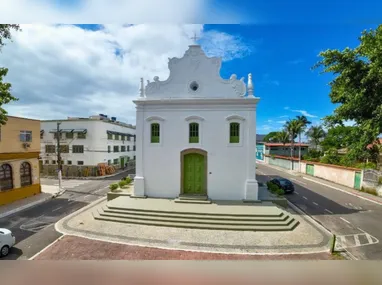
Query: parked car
{"points": [[284, 184], [7, 240]]}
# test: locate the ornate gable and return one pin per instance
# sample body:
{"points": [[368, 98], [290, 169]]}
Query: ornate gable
{"points": [[195, 76]]}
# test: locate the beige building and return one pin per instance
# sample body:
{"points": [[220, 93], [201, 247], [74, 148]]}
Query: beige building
{"points": [[19, 159]]}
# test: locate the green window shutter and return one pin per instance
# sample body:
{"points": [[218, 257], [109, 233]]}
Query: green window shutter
{"points": [[234, 132], [194, 133], [155, 133]]}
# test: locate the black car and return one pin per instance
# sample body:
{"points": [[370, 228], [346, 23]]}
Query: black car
{"points": [[284, 184]]}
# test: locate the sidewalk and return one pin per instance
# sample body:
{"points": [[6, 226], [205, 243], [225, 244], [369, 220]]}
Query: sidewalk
{"points": [[335, 186], [23, 204]]}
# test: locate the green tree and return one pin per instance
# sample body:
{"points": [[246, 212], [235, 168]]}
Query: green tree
{"points": [[304, 122], [339, 137], [292, 127], [271, 137], [357, 88], [315, 135], [283, 137], [5, 88]]}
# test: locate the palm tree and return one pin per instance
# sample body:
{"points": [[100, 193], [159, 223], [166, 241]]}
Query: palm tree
{"points": [[292, 127], [315, 134], [303, 121], [283, 137]]}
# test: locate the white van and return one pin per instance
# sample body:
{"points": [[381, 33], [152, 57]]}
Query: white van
{"points": [[7, 240]]}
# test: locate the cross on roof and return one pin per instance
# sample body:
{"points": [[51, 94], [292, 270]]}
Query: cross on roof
{"points": [[195, 37]]}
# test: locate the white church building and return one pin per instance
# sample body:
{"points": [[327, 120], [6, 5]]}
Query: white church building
{"points": [[196, 133]]}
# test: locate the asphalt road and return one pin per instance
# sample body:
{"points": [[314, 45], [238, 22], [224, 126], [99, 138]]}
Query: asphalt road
{"points": [[34, 227], [356, 222]]}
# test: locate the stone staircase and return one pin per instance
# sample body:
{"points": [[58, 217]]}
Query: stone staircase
{"points": [[193, 199], [202, 217]]}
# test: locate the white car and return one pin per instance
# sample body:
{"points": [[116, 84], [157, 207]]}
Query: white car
{"points": [[7, 240]]}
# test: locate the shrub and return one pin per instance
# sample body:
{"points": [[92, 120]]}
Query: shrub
{"points": [[273, 188], [369, 190], [368, 165], [380, 180], [127, 180], [122, 183], [113, 186]]}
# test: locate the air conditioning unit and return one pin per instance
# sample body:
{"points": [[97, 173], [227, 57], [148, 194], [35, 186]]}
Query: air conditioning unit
{"points": [[26, 145]]}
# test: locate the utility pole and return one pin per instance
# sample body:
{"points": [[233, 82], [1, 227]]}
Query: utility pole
{"points": [[59, 170]]}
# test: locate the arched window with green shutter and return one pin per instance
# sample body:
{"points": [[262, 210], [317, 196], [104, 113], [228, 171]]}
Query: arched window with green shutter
{"points": [[234, 132], [194, 133], [155, 133]]}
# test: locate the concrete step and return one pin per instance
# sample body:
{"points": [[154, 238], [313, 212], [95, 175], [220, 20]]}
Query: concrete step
{"points": [[186, 220], [193, 197], [281, 217], [261, 227], [255, 213], [192, 201]]}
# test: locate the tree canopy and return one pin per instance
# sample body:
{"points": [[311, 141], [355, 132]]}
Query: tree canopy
{"points": [[357, 88], [5, 88]]}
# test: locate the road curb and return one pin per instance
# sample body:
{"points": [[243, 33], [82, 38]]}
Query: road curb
{"points": [[45, 248], [27, 206], [344, 191]]}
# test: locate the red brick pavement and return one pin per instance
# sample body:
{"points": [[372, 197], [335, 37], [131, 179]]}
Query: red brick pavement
{"points": [[77, 248]]}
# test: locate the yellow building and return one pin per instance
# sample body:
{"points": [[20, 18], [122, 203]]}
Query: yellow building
{"points": [[19, 159]]}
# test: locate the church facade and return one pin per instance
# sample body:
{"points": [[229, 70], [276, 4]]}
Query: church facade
{"points": [[196, 133]]}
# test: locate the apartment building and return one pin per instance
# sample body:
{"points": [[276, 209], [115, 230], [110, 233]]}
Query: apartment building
{"points": [[88, 141], [19, 159]]}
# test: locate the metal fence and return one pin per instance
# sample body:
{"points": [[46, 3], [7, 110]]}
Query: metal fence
{"points": [[372, 175], [74, 171]]}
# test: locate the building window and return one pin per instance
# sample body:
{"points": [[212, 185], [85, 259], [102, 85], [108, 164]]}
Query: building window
{"points": [[69, 135], [116, 137], [155, 133], [53, 162], [133, 147], [81, 136], [46, 161], [78, 149], [109, 162], [80, 162], [134, 157], [64, 148], [25, 174], [128, 138], [108, 148], [122, 137], [234, 132], [128, 148], [50, 148], [115, 161], [25, 136], [116, 148], [109, 136], [55, 135], [6, 179], [69, 162], [128, 158], [123, 148], [194, 133], [302, 149]]}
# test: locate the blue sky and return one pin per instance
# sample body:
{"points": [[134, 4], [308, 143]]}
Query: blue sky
{"points": [[279, 44]]}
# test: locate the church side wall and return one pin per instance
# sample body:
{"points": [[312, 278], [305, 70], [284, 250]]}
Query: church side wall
{"points": [[227, 163]]}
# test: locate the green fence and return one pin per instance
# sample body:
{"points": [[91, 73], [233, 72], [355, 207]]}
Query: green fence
{"points": [[310, 169]]}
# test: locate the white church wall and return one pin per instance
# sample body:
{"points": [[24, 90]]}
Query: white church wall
{"points": [[226, 163]]}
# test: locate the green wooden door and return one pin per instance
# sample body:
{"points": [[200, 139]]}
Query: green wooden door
{"points": [[122, 162], [357, 180], [310, 169], [193, 174]]}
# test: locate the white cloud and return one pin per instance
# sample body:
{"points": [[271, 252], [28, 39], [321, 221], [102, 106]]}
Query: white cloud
{"points": [[60, 71], [285, 116], [305, 113], [120, 11], [349, 123], [281, 122], [264, 128], [269, 121], [286, 108]]}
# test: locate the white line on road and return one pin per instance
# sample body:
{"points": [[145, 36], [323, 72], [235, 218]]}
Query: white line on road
{"points": [[304, 197], [296, 192], [294, 179], [86, 196], [315, 203], [57, 209], [345, 220], [369, 239], [356, 239], [71, 202], [330, 212]]}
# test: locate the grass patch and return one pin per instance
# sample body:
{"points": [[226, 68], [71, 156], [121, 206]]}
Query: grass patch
{"points": [[338, 256]]}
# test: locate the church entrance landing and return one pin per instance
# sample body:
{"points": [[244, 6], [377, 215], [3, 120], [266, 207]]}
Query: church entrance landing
{"points": [[193, 173]]}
